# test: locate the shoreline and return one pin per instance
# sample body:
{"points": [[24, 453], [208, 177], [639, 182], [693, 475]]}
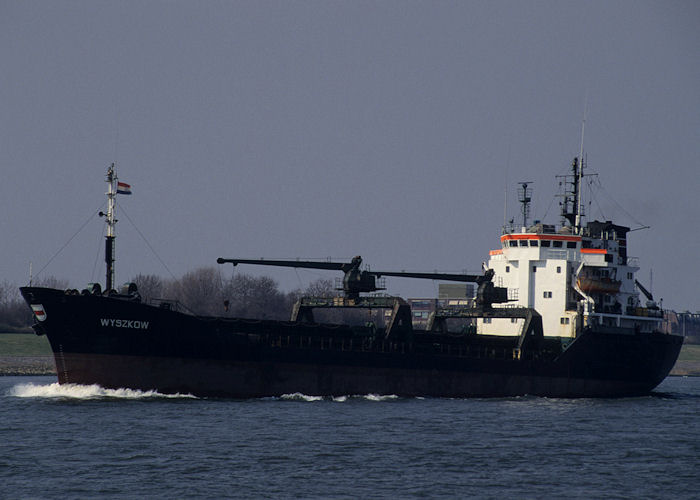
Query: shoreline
{"points": [[686, 369], [44, 365], [27, 365]]}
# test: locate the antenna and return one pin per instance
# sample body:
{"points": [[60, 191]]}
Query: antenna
{"points": [[579, 181], [505, 205], [116, 129], [505, 193], [525, 197], [583, 127]]}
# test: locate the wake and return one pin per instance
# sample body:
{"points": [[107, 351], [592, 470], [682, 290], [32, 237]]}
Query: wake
{"points": [[85, 392], [297, 396], [96, 392]]}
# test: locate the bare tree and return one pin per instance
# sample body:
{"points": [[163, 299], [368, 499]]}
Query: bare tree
{"points": [[150, 286], [51, 282], [198, 290], [6, 291], [14, 313], [255, 297], [321, 288]]}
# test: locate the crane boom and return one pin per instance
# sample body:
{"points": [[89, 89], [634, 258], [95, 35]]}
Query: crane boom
{"points": [[646, 292], [356, 281], [332, 266], [464, 278]]}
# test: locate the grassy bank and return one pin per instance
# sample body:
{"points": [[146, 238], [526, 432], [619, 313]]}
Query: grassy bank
{"points": [[690, 352], [24, 344], [688, 363], [25, 354]]}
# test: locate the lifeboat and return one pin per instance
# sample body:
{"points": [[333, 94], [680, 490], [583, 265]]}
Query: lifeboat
{"points": [[592, 281]]}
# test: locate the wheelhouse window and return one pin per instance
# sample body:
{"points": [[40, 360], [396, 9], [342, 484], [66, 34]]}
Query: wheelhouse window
{"points": [[570, 244], [545, 243], [512, 243], [523, 243], [533, 243], [557, 244]]}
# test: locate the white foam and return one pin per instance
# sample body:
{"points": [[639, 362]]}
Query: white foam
{"points": [[75, 391], [297, 396], [377, 397]]}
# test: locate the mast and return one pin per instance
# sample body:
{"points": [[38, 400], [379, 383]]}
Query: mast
{"points": [[577, 168], [111, 221], [578, 181], [525, 197], [572, 207]]}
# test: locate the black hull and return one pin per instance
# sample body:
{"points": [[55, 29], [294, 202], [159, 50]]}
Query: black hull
{"points": [[116, 343]]}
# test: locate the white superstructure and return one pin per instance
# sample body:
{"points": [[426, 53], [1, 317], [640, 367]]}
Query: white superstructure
{"points": [[574, 276]]}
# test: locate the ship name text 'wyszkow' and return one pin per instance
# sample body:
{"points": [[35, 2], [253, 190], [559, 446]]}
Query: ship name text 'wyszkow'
{"points": [[125, 323]]}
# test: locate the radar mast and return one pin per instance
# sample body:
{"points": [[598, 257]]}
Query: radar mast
{"points": [[525, 198]]}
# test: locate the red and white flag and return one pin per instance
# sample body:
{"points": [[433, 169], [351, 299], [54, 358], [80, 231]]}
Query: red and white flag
{"points": [[39, 311], [123, 188]]}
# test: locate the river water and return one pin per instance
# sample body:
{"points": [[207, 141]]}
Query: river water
{"points": [[78, 442]]}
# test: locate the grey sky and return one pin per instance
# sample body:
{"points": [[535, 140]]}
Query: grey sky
{"points": [[315, 129]]}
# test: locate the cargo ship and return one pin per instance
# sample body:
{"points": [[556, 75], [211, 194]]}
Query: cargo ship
{"points": [[557, 313]]}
